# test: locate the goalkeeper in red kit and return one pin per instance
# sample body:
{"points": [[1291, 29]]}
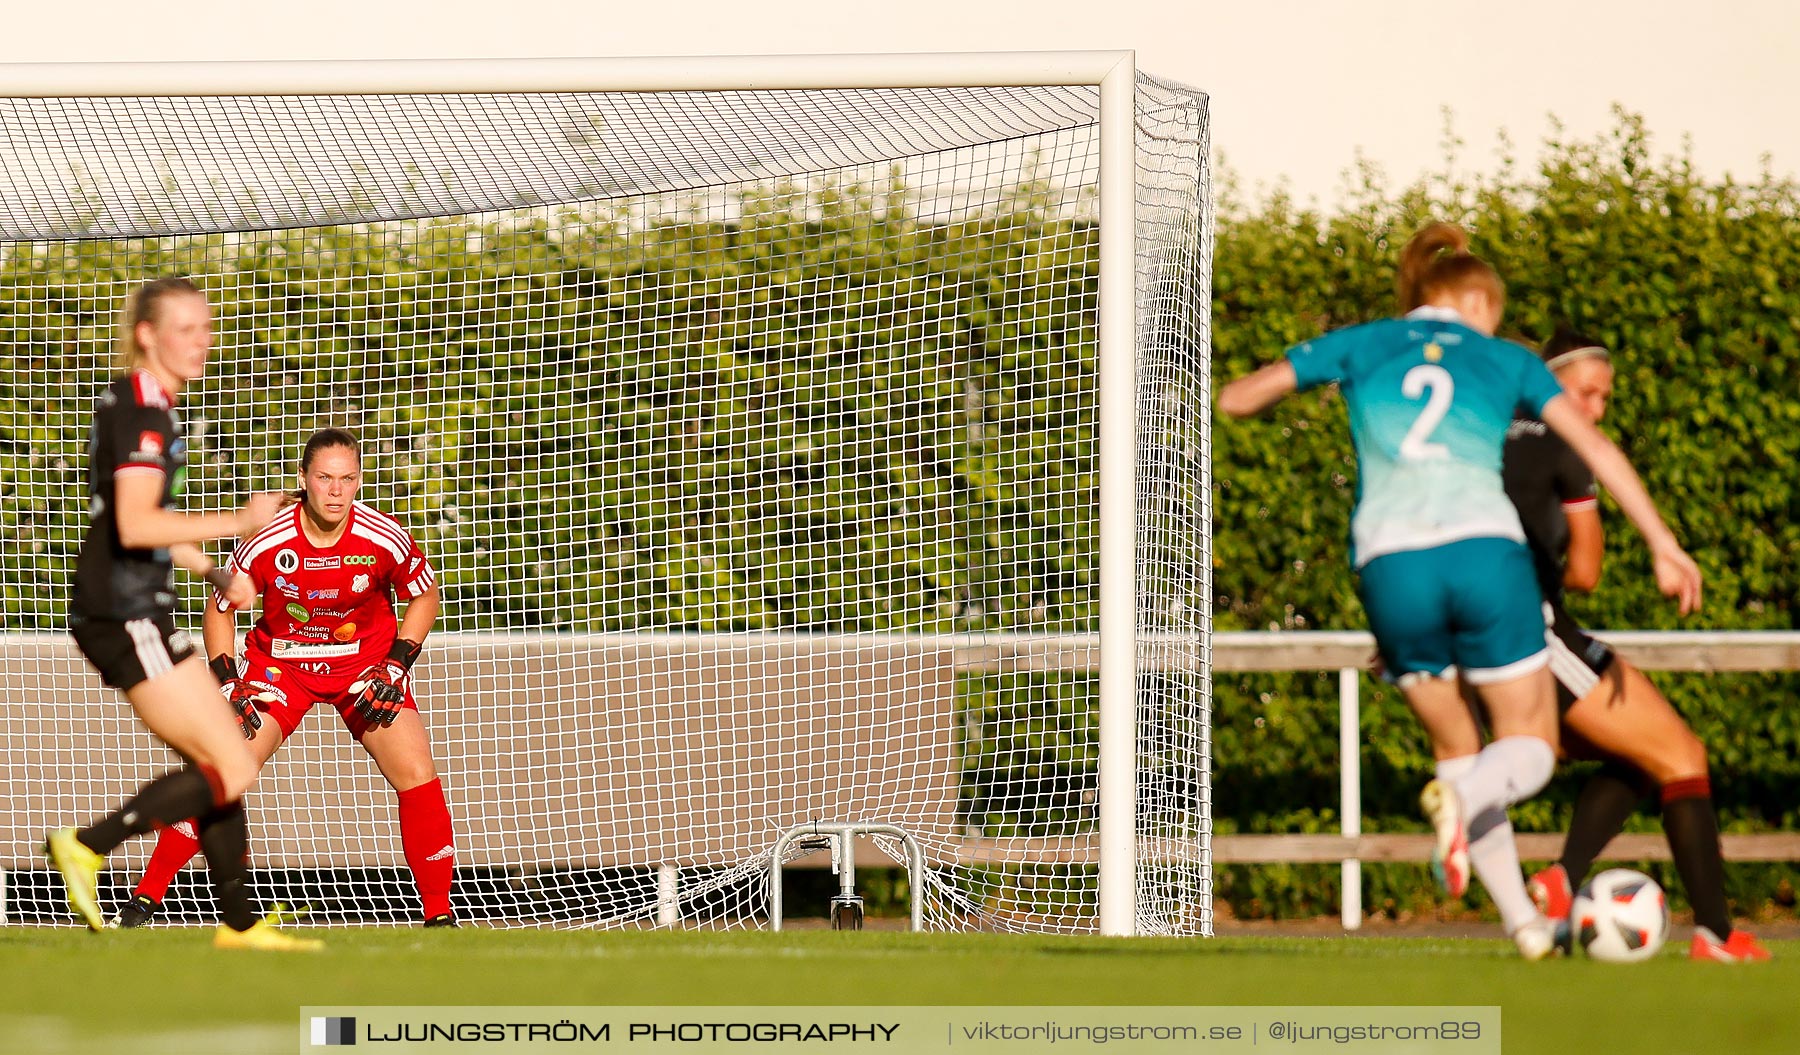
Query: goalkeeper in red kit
{"points": [[326, 570]]}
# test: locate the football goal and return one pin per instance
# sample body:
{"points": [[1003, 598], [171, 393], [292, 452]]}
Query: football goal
{"points": [[803, 443]]}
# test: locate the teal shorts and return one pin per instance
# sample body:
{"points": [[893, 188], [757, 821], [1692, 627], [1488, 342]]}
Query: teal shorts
{"points": [[1471, 606]]}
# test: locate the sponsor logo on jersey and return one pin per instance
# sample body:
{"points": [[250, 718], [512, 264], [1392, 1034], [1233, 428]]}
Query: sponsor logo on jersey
{"points": [[272, 673], [287, 562], [330, 613], [299, 613], [287, 588], [414, 566], [319, 632], [321, 563], [360, 584], [316, 668], [345, 632], [361, 558], [321, 595], [150, 446], [178, 455], [283, 648], [266, 687]]}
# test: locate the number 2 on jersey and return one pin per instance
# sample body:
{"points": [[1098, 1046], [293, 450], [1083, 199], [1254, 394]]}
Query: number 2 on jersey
{"points": [[1420, 379]]}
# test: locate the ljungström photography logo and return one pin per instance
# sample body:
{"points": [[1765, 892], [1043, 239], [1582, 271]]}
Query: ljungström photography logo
{"points": [[329, 1032]]}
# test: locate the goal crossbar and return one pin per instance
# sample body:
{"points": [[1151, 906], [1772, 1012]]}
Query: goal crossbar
{"points": [[635, 74]]}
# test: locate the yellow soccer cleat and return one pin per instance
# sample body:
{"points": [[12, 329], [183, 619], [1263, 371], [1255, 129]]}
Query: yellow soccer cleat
{"points": [[80, 868], [265, 934]]}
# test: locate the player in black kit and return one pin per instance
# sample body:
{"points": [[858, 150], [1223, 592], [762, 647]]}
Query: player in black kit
{"points": [[122, 615], [1610, 710]]}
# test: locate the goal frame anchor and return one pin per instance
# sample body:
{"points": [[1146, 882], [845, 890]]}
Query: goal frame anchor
{"points": [[840, 837]]}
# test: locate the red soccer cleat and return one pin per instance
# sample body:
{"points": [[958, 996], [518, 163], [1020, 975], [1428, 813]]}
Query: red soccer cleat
{"points": [[1550, 892], [1741, 947]]}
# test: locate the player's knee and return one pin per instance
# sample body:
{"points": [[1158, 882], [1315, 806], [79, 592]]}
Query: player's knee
{"points": [[1686, 757], [239, 783], [237, 774], [1677, 758], [412, 775]]}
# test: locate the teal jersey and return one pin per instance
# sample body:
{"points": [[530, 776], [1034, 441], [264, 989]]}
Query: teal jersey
{"points": [[1430, 401]]}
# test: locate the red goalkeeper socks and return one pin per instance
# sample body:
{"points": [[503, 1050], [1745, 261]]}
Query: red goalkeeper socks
{"points": [[176, 845], [429, 845]]}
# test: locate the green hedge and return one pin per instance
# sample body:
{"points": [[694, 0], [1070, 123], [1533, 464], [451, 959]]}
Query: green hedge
{"points": [[825, 415]]}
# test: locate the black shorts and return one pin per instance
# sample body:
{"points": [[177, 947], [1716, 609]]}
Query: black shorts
{"points": [[1577, 660], [132, 651]]}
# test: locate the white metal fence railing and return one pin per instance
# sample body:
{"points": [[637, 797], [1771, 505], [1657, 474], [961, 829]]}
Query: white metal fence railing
{"points": [[1347, 652]]}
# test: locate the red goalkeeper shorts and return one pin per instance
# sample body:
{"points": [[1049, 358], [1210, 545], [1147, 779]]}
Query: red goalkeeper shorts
{"points": [[297, 691]]}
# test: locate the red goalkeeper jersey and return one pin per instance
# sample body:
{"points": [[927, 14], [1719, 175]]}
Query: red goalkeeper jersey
{"points": [[330, 610]]}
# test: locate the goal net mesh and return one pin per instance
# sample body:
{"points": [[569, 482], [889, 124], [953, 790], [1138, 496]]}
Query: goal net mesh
{"points": [[753, 435]]}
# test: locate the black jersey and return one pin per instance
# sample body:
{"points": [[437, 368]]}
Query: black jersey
{"points": [[1545, 478], [135, 432]]}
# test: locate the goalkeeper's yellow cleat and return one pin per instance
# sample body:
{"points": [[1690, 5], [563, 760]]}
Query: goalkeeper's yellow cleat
{"points": [[265, 934], [80, 868]]}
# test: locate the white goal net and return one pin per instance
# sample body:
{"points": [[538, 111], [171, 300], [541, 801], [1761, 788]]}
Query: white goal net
{"points": [[754, 435]]}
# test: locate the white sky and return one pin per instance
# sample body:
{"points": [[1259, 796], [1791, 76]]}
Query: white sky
{"points": [[1297, 85]]}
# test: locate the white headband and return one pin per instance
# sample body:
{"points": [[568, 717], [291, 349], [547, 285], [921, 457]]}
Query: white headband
{"points": [[1575, 355]]}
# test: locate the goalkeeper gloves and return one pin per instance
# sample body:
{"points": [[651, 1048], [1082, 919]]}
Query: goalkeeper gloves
{"points": [[242, 696], [378, 692]]}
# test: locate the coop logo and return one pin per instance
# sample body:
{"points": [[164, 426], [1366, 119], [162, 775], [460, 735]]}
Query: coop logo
{"points": [[360, 559], [287, 562], [333, 1032]]}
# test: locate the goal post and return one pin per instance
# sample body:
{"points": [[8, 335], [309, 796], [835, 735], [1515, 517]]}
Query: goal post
{"points": [[1118, 499], [834, 427]]}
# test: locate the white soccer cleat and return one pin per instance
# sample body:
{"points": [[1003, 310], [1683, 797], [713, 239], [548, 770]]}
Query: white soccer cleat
{"points": [[1537, 939], [1450, 856]]}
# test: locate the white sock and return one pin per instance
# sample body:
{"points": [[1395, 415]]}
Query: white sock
{"points": [[1493, 854], [1509, 770]]}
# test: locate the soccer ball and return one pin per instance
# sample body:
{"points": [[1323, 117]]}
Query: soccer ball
{"points": [[1620, 916]]}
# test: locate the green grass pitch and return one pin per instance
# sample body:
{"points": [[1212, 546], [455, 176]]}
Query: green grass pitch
{"points": [[158, 990]]}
